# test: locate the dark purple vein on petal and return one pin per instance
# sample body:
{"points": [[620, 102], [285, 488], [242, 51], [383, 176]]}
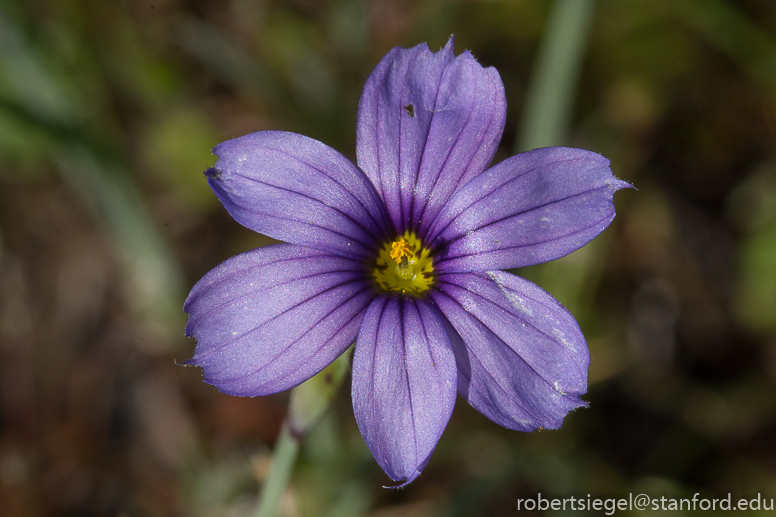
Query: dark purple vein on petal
{"points": [[303, 302], [491, 192], [524, 321], [547, 382], [318, 201], [402, 301], [423, 151], [447, 157], [322, 345], [378, 202], [497, 382], [289, 281], [518, 246]]}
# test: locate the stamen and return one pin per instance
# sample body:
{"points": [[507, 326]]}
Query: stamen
{"points": [[400, 249], [404, 265]]}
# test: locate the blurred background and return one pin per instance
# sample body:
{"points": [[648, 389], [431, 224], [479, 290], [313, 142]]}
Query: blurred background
{"points": [[108, 112]]}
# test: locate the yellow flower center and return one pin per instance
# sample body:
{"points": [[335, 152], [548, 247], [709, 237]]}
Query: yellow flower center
{"points": [[404, 265]]}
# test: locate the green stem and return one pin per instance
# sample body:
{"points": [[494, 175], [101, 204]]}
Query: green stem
{"points": [[550, 95], [286, 450], [549, 105]]}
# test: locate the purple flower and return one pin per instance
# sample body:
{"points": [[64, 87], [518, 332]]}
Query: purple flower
{"points": [[402, 255]]}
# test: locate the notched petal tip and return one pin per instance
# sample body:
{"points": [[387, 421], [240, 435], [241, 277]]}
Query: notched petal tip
{"points": [[403, 482], [450, 45], [618, 184], [187, 362], [581, 404]]}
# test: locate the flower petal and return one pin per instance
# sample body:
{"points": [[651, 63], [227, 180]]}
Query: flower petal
{"points": [[531, 208], [427, 122], [403, 383], [522, 360], [298, 190], [271, 318]]}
